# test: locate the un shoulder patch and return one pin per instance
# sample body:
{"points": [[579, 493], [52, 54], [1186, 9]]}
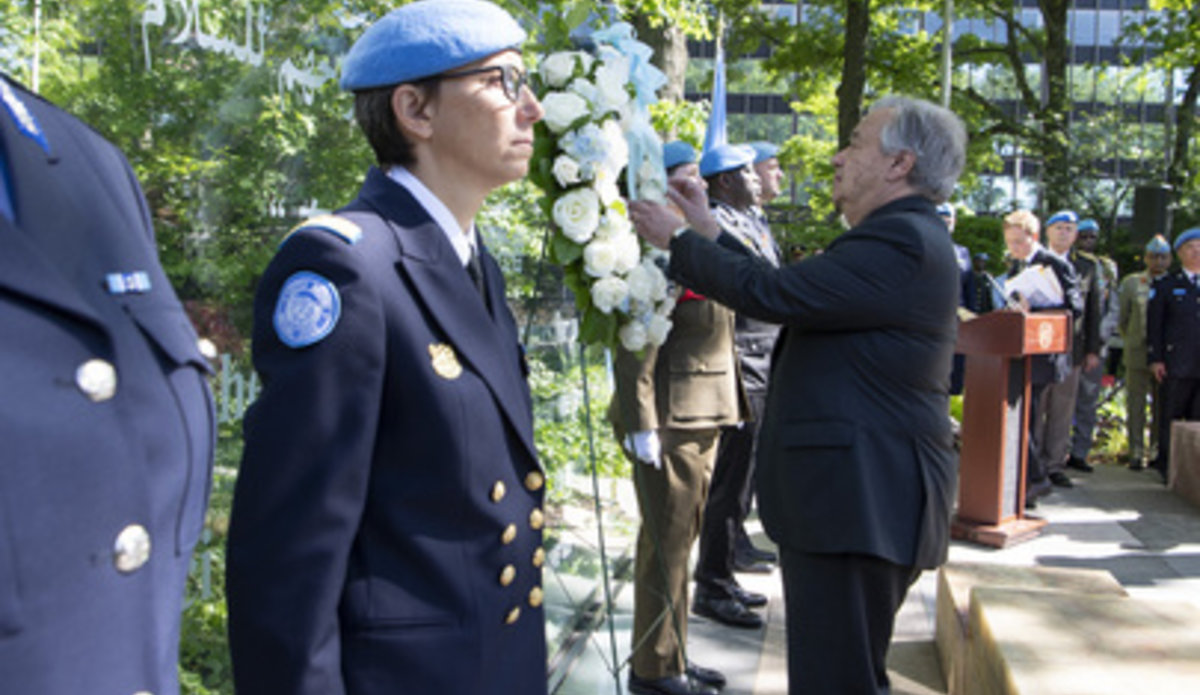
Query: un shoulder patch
{"points": [[340, 227], [307, 310]]}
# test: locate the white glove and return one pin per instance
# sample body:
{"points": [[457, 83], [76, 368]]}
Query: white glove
{"points": [[645, 447]]}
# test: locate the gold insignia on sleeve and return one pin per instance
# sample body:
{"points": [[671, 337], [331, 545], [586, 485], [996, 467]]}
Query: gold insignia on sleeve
{"points": [[445, 362]]}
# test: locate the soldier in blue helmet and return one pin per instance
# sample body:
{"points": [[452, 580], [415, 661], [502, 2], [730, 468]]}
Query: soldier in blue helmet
{"points": [[735, 192], [106, 421], [386, 533], [1132, 299], [1173, 343], [668, 407]]}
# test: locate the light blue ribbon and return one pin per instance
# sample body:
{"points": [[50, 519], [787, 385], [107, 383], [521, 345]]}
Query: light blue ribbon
{"points": [[646, 79]]}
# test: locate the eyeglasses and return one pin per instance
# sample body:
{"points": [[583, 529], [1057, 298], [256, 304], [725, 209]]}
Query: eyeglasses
{"points": [[512, 78]]}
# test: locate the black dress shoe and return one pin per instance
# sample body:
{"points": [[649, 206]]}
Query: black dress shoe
{"points": [[707, 676], [1080, 465], [1060, 479], [671, 685], [728, 611], [749, 599]]}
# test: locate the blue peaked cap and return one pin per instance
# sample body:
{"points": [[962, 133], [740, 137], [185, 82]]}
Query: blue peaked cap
{"points": [[1193, 233], [1158, 245], [426, 38], [1088, 225], [678, 152], [725, 157], [764, 150], [1062, 216]]}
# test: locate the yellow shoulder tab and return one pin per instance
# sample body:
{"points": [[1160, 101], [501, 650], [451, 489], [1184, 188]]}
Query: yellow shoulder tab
{"points": [[341, 227]]}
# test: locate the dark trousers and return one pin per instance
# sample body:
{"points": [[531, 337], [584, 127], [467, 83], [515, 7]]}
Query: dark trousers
{"points": [[1036, 484], [728, 502], [841, 609], [1180, 401]]}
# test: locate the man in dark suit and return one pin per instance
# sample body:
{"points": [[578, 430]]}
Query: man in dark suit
{"points": [[1173, 342], [106, 423], [1021, 229], [387, 522], [856, 465]]}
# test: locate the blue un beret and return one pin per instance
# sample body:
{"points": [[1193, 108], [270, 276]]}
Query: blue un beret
{"points": [[677, 152], [1088, 225], [725, 157], [1193, 233], [1062, 216], [1158, 245], [764, 151], [425, 38]]}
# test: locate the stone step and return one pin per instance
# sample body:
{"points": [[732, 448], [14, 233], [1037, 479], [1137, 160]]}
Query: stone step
{"points": [[1032, 642], [956, 581]]}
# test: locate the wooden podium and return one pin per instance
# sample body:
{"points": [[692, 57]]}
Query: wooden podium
{"points": [[995, 427]]}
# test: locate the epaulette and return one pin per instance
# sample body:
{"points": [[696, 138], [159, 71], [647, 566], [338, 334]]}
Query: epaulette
{"points": [[340, 227]]}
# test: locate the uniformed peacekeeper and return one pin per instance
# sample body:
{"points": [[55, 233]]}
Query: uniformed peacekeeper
{"points": [[387, 522], [1132, 298], [106, 422], [1173, 343], [668, 407]]}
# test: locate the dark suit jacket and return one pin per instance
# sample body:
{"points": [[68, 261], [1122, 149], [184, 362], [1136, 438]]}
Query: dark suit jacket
{"points": [[754, 339], [1046, 369], [386, 531], [855, 452], [1086, 331], [77, 470], [1173, 326]]}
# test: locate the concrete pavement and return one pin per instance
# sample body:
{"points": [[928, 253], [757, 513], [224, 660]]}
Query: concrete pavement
{"points": [[1114, 519]]}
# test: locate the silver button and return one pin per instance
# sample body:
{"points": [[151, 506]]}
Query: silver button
{"points": [[97, 379], [131, 549]]}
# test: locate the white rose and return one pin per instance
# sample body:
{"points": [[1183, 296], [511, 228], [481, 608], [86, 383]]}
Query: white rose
{"points": [[557, 68], [610, 86], [577, 214], [659, 293], [633, 336], [641, 283], [585, 89], [614, 224], [666, 306], [608, 293], [563, 109], [566, 170], [616, 146], [627, 253], [599, 258], [652, 185], [657, 329], [606, 186]]}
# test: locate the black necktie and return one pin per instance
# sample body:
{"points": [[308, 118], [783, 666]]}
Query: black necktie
{"points": [[475, 270]]}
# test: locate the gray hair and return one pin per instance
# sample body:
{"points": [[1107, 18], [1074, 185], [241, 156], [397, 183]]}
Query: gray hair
{"points": [[934, 134]]}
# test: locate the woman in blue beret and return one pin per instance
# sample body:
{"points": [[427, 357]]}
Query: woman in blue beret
{"points": [[387, 523]]}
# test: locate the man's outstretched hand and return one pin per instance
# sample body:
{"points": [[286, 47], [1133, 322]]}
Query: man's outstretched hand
{"points": [[656, 223]]}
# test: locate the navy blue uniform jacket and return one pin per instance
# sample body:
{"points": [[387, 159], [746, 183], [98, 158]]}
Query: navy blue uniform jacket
{"points": [[855, 454], [386, 530], [81, 464], [1173, 326]]}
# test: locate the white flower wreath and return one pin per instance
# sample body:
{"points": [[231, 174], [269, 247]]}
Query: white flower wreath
{"points": [[596, 127]]}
